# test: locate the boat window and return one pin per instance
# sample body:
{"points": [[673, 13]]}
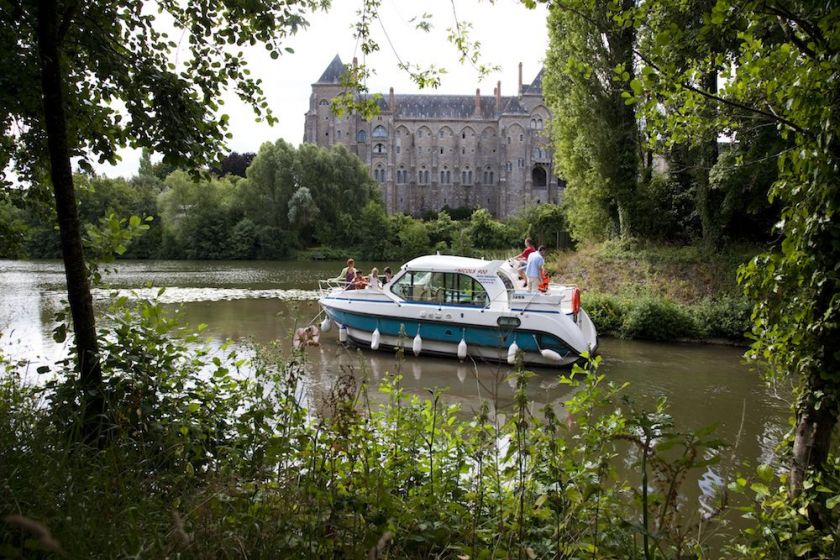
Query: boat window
{"points": [[440, 287]]}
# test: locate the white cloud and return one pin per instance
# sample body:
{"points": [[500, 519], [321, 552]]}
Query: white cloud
{"points": [[508, 32]]}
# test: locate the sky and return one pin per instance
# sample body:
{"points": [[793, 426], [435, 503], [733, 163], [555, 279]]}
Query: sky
{"points": [[508, 32]]}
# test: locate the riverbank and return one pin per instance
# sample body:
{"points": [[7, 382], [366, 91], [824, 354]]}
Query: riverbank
{"points": [[658, 292]]}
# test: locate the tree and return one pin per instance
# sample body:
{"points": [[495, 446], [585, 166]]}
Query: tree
{"points": [[82, 79], [588, 66], [781, 72]]}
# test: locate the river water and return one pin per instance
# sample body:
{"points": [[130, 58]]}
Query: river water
{"points": [[263, 302]]}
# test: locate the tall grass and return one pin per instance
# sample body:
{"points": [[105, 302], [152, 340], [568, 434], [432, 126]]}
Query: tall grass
{"points": [[204, 461]]}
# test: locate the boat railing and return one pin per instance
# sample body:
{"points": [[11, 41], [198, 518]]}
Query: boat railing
{"points": [[331, 285]]}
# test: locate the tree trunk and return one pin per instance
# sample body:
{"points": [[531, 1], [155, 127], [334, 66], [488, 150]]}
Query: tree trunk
{"points": [[78, 286], [710, 228]]}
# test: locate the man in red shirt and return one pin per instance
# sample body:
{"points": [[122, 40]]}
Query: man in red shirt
{"points": [[523, 258]]}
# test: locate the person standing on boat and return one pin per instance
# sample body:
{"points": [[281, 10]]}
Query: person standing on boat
{"points": [[348, 273], [535, 268], [522, 258]]}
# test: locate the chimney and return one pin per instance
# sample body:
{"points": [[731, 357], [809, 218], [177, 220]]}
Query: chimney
{"points": [[391, 103], [520, 78], [499, 96], [477, 102]]}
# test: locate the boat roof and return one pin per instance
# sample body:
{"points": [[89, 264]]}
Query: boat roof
{"points": [[451, 263]]}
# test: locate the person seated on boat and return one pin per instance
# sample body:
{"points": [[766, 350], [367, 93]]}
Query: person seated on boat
{"points": [[521, 260], [388, 274], [348, 273], [535, 268], [307, 336], [359, 282], [373, 278]]}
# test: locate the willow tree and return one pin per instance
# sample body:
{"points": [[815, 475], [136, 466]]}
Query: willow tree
{"points": [[83, 79]]}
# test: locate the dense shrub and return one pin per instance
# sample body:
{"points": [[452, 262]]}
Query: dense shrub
{"points": [[607, 312], [657, 319], [724, 317]]}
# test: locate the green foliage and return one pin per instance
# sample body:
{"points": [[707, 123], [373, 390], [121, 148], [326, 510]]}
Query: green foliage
{"points": [[657, 319], [597, 148], [13, 229], [779, 525], [199, 449]]}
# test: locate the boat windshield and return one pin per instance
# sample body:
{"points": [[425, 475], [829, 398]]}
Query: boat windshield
{"points": [[440, 287]]}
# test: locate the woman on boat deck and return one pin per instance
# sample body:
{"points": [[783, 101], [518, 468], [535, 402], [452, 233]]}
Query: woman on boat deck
{"points": [[388, 274], [348, 273]]}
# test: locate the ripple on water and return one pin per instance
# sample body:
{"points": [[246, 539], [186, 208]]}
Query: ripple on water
{"points": [[185, 295]]}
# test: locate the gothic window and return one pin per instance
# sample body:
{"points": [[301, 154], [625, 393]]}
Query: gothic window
{"points": [[539, 124], [401, 175], [491, 178], [379, 149], [521, 137], [538, 177], [463, 135], [361, 136], [533, 123], [379, 174], [398, 149], [426, 176], [323, 102], [508, 139], [380, 132], [448, 177]]}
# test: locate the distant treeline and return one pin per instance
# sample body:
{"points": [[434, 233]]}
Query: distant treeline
{"points": [[285, 199]]}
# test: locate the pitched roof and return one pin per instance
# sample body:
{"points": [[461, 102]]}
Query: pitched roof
{"points": [[442, 106], [535, 88], [332, 75], [513, 107]]}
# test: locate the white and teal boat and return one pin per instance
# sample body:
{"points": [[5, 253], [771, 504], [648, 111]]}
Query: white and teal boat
{"points": [[457, 306]]}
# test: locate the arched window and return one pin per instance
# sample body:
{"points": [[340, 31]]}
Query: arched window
{"points": [[323, 102], [379, 174], [426, 176], [380, 132], [448, 177], [539, 124], [441, 177], [538, 177], [533, 123], [361, 136], [379, 149]]}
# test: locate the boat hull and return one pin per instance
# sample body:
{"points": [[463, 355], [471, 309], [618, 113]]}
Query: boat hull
{"points": [[484, 340]]}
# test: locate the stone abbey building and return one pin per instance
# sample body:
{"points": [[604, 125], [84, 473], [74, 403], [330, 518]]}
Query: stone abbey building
{"points": [[431, 151]]}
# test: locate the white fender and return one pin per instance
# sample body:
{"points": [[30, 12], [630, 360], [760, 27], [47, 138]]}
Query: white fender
{"points": [[342, 334], [417, 346], [374, 340], [462, 350], [512, 350], [326, 324], [551, 355]]}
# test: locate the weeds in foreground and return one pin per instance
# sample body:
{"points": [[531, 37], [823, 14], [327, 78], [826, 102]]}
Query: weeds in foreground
{"points": [[210, 457]]}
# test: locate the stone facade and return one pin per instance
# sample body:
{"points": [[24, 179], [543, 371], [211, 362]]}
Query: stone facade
{"points": [[431, 151]]}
